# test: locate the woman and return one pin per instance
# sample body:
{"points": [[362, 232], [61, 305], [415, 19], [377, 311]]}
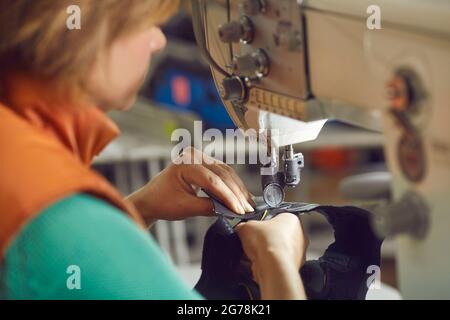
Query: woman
{"points": [[56, 85]]}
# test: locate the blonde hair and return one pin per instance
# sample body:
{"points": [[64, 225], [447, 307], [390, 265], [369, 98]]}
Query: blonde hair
{"points": [[35, 39]]}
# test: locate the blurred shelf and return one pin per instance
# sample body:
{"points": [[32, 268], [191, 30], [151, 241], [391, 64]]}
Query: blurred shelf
{"points": [[145, 133]]}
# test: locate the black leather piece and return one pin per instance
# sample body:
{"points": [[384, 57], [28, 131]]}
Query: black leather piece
{"points": [[222, 252], [345, 262], [341, 273], [298, 208]]}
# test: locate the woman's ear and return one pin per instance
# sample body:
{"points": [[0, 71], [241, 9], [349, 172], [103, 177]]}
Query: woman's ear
{"points": [[157, 39]]}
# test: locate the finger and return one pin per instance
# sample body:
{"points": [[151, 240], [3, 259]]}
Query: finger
{"points": [[240, 183], [199, 207], [239, 226], [231, 183], [226, 174], [212, 163], [208, 180]]}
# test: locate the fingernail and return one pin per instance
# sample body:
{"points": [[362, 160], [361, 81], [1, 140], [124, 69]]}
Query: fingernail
{"points": [[241, 209], [251, 200], [248, 207], [245, 204]]}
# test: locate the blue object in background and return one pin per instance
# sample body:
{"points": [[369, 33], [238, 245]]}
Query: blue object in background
{"points": [[183, 87]]}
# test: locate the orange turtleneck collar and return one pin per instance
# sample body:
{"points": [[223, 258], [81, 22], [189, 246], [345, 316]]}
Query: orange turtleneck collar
{"points": [[83, 129], [46, 149]]}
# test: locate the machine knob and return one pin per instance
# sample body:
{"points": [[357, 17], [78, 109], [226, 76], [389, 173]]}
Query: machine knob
{"points": [[252, 7], [253, 65], [233, 89], [410, 215], [236, 31], [373, 186]]}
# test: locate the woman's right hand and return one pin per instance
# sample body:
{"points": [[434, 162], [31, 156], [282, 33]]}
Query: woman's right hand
{"points": [[276, 249]]}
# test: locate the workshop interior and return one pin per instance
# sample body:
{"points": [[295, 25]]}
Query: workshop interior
{"points": [[366, 109], [359, 112]]}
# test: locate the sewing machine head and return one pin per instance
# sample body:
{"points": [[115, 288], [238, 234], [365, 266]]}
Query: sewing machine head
{"points": [[287, 66], [258, 51]]}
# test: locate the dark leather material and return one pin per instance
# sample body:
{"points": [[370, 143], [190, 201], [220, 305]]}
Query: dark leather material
{"points": [[340, 273]]}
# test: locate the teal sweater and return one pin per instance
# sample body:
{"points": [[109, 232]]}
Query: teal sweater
{"points": [[83, 248]]}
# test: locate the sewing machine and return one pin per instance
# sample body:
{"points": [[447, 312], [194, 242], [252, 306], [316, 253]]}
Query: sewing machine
{"points": [[288, 66]]}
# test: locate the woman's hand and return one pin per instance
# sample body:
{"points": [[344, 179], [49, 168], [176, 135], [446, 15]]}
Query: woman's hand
{"points": [[172, 195], [276, 249]]}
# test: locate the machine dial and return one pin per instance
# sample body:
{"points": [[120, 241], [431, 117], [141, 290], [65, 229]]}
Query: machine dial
{"points": [[237, 31], [253, 65], [273, 195]]}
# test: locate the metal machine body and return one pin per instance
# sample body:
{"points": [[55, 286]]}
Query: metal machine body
{"points": [[290, 65]]}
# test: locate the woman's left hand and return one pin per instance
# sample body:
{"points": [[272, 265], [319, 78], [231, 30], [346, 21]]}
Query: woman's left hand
{"points": [[172, 195]]}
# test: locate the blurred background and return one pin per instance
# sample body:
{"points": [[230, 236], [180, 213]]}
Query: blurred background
{"points": [[180, 90]]}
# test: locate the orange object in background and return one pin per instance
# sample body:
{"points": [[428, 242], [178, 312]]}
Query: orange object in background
{"points": [[332, 159]]}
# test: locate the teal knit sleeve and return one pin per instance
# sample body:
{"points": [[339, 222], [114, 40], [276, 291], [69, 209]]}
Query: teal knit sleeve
{"points": [[83, 248]]}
